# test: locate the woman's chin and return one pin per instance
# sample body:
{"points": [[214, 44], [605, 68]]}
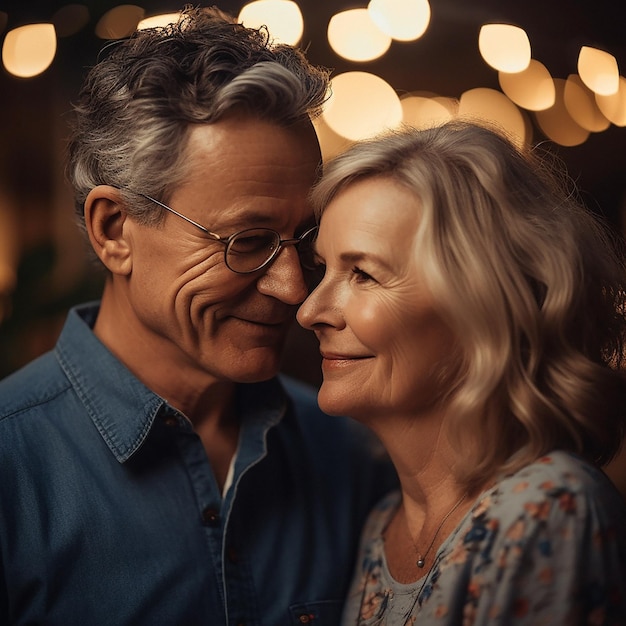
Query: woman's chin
{"points": [[328, 402]]}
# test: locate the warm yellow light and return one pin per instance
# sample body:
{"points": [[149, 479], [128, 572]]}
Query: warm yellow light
{"points": [[580, 103], [119, 22], [283, 19], [613, 107], [155, 21], [598, 70], [361, 105], [504, 47], [29, 50], [532, 88], [557, 123], [424, 112], [493, 107], [331, 143], [353, 36], [404, 20]]}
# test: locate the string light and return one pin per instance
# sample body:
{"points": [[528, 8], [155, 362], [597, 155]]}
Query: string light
{"points": [[361, 105], [531, 89], [283, 19], [598, 70], [403, 20], [29, 50], [354, 36], [504, 47]]}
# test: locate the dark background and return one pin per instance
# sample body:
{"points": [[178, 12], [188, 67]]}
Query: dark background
{"points": [[38, 238]]}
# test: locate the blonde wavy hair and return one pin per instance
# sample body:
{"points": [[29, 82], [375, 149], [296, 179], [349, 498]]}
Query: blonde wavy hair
{"points": [[531, 282]]}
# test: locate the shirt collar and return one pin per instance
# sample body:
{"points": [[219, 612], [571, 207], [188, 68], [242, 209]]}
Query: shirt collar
{"points": [[123, 409]]}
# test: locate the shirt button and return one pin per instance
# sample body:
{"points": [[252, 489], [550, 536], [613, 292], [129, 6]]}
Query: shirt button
{"points": [[233, 555], [306, 618], [210, 517]]}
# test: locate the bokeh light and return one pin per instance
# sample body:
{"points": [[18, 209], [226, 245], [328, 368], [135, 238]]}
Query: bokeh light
{"points": [[403, 20], [29, 50], [361, 105], [353, 35], [504, 47], [598, 70], [283, 19], [531, 89]]}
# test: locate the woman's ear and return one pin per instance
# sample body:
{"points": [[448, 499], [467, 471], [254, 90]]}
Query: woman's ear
{"points": [[105, 218]]}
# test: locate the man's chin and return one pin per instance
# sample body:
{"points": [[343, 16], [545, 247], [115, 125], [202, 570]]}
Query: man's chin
{"points": [[255, 370]]}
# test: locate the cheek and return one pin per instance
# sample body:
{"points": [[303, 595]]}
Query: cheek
{"points": [[369, 321], [184, 289]]}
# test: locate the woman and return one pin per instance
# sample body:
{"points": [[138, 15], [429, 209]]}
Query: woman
{"points": [[472, 314]]}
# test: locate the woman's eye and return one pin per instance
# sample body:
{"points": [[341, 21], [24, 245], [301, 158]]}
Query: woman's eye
{"points": [[361, 276]]}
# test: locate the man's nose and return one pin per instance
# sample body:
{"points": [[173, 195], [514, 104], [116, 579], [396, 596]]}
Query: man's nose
{"points": [[284, 279]]}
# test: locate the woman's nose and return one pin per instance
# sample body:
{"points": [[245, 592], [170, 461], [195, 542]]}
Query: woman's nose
{"points": [[306, 312], [321, 308]]}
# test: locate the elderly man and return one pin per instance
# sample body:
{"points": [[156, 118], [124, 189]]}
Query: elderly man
{"points": [[155, 469]]}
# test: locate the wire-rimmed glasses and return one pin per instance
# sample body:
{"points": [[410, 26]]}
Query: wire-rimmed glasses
{"points": [[252, 249]]}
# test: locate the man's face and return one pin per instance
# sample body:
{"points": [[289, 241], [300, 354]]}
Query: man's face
{"points": [[203, 318]]}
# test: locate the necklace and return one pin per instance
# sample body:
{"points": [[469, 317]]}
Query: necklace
{"points": [[421, 556]]}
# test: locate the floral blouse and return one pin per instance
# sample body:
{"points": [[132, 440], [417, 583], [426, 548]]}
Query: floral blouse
{"points": [[544, 546]]}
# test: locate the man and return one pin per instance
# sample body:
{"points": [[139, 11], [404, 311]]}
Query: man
{"points": [[154, 470]]}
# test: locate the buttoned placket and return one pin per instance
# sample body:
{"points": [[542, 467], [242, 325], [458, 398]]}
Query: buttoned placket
{"points": [[205, 488]]}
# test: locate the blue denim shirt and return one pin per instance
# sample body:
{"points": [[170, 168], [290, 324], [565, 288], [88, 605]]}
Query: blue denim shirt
{"points": [[110, 513]]}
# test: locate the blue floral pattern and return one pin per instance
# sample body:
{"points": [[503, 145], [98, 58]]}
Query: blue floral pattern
{"points": [[544, 546]]}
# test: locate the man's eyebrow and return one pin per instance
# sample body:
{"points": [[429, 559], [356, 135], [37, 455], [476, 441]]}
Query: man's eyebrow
{"points": [[249, 218]]}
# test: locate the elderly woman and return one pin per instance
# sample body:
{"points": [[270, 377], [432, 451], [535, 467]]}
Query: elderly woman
{"points": [[472, 314]]}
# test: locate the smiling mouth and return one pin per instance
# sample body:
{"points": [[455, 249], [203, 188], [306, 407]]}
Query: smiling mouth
{"points": [[265, 322], [344, 357], [280, 325]]}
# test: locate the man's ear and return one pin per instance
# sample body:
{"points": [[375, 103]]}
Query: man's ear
{"points": [[105, 218]]}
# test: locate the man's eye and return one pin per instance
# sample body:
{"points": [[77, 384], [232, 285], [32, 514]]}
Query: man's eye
{"points": [[253, 242]]}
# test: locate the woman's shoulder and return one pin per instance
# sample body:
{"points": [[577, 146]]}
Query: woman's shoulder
{"points": [[557, 476], [560, 495], [549, 537]]}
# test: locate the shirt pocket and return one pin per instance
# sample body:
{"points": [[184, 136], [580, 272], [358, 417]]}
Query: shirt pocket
{"points": [[322, 613]]}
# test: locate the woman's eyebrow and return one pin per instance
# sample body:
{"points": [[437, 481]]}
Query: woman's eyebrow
{"points": [[357, 256]]}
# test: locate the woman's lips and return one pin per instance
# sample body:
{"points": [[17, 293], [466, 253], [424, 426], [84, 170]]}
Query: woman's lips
{"points": [[330, 360]]}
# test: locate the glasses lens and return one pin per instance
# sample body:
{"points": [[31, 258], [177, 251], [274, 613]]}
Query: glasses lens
{"points": [[250, 249]]}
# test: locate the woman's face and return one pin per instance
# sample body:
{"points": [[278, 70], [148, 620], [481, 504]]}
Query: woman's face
{"points": [[385, 349]]}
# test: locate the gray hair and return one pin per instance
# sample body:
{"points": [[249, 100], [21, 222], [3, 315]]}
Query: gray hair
{"points": [[136, 106], [531, 282]]}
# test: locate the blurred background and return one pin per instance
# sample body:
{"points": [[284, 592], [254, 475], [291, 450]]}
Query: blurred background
{"points": [[555, 80]]}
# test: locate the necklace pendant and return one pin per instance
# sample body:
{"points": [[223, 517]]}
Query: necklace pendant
{"points": [[420, 562]]}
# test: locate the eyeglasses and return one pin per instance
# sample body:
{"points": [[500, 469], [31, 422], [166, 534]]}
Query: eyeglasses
{"points": [[253, 249]]}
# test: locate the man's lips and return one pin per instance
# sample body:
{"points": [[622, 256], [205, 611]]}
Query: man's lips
{"points": [[269, 320]]}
